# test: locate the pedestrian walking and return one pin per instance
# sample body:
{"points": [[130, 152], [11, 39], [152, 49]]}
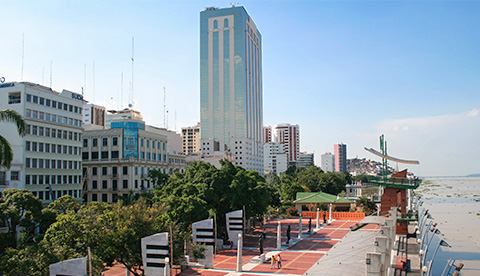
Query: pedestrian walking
{"points": [[324, 217], [272, 262], [288, 235], [310, 225], [279, 261], [264, 233]]}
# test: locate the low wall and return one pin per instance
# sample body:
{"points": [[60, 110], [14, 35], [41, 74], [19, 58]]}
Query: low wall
{"points": [[335, 215]]}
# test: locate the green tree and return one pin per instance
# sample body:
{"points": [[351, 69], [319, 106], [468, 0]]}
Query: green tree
{"points": [[19, 208], [367, 205], [158, 178], [6, 152]]}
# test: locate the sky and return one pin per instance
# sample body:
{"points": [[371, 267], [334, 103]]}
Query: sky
{"points": [[344, 71]]}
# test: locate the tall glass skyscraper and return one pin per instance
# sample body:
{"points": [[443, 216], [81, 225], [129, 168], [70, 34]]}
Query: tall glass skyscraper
{"points": [[231, 98]]}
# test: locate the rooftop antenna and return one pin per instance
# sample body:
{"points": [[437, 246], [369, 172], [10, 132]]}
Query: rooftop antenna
{"points": [[51, 65], [167, 121], [133, 60], [23, 50], [93, 87], [164, 107], [84, 77], [121, 101]]}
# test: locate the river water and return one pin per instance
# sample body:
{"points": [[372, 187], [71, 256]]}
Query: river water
{"points": [[454, 204]]}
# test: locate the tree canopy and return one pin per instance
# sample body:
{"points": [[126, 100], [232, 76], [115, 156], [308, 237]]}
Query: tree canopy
{"points": [[6, 153]]}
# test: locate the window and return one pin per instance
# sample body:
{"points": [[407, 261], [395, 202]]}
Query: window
{"points": [[104, 184], [54, 104], [47, 147], [114, 171], [125, 170], [104, 154], [59, 105], [114, 154], [70, 108], [104, 170], [85, 142], [29, 98], [141, 142], [114, 185], [47, 132], [85, 155], [27, 146], [65, 107], [125, 184], [34, 130], [115, 141], [104, 197], [105, 141], [35, 99], [40, 131], [148, 143], [94, 142], [14, 175], [47, 102], [95, 155], [94, 171], [14, 98], [94, 197]]}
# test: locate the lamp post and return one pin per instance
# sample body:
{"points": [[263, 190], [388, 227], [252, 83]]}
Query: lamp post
{"points": [[167, 260], [430, 264]]}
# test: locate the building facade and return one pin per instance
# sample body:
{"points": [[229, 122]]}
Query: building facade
{"points": [[267, 134], [275, 160], [117, 159], [289, 136], [191, 139], [231, 98], [48, 160], [340, 151], [327, 163], [305, 160]]}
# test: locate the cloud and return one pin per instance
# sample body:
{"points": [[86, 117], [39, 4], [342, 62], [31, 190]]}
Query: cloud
{"points": [[445, 144]]}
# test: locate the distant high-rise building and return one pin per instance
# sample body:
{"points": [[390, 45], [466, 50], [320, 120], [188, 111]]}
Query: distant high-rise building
{"points": [[231, 100], [289, 136], [275, 160], [305, 160], [340, 151], [327, 162], [191, 139], [267, 134]]}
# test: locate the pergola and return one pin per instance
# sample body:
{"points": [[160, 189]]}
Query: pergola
{"points": [[307, 199]]}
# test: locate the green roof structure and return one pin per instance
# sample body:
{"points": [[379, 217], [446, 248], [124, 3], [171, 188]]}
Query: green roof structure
{"points": [[319, 197]]}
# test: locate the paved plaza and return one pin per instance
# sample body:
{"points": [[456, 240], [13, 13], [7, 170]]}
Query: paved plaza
{"points": [[298, 257]]}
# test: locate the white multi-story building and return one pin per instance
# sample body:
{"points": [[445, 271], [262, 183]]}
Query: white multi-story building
{"points": [[231, 98], [327, 163], [289, 136], [191, 139], [94, 115], [275, 160], [48, 160], [117, 159]]}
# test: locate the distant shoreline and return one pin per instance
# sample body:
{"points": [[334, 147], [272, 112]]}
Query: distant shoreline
{"points": [[462, 176]]}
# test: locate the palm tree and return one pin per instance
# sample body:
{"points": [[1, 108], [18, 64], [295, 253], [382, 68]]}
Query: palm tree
{"points": [[6, 153]]}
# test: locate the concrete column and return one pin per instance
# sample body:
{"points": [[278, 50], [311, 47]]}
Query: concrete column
{"points": [[318, 218], [279, 236], [330, 212], [239, 253], [373, 265], [300, 227], [391, 223], [381, 247], [387, 231]]}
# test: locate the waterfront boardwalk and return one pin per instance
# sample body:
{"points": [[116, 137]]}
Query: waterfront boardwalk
{"points": [[298, 257]]}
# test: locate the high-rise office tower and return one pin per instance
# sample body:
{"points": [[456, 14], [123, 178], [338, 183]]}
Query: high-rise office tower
{"points": [[289, 136], [340, 151], [231, 108]]}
